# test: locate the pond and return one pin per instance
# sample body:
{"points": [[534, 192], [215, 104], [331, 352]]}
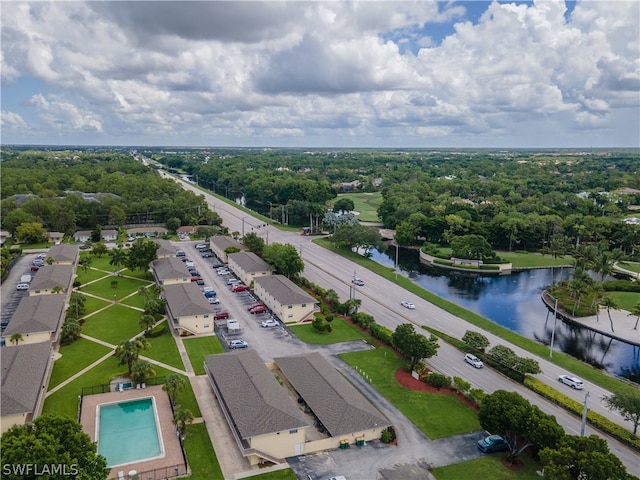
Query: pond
{"points": [[514, 301]]}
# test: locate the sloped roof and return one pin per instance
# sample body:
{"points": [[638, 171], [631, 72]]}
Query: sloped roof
{"points": [[50, 276], [284, 290], [23, 370], [165, 248], [185, 300], [223, 242], [340, 407], [255, 400], [64, 253], [249, 262], [38, 313], [169, 268]]}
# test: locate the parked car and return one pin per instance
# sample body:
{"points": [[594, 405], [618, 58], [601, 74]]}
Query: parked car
{"points": [[493, 443], [180, 253], [217, 265], [358, 281], [251, 307], [195, 279], [207, 255], [408, 305], [258, 309], [22, 286], [220, 315], [35, 268], [474, 361], [209, 289], [239, 288], [223, 272], [200, 282], [234, 281], [269, 323], [233, 344], [209, 294], [573, 382], [213, 300], [201, 246], [38, 262]]}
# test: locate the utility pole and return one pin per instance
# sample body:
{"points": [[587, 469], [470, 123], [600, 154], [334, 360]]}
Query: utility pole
{"points": [[553, 333], [584, 415]]}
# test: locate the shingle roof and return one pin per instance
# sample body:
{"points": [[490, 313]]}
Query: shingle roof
{"points": [[23, 369], [340, 407], [51, 276], [38, 313], [223, 242], [185, 300], [249, 262], [257, 403], [169, 268], [165, 248], [284, 290], [64, 253]]}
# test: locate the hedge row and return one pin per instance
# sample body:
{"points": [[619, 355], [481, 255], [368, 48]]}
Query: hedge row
{"points": [[489, 267], [595, 419]]}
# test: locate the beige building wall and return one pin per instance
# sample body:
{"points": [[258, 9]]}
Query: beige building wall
{"points": [[280, 444], [174, 281], [9, 421], [34, 337], [45, 291], [197, 323], [287, 313]]}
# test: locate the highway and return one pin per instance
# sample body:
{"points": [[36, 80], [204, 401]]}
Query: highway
{"points": [[381, 299]]}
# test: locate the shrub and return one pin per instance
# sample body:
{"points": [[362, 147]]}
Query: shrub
{"points": [[329, 318], [438, 380], [477, 395], [381, 332], [388, 435], [419, 368], [363, 319], [461, 385], [621, 286], [441, 261], [319, 323]]}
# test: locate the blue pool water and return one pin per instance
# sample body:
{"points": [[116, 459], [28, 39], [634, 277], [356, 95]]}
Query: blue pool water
{"points": [[128, 431]]}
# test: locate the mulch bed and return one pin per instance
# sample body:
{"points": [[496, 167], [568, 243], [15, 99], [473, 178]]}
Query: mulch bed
{"points": [[405, 379]]}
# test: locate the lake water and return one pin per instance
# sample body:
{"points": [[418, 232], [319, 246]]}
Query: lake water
{"points": [[514, 301]]}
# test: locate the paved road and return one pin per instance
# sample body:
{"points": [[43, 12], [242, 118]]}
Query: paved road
{"points": [[381, 298]]}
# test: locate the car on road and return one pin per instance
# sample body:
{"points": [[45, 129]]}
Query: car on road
{"points": [[408, 305], [239, 288], [220, 315], [493, 443], [358, 281], [573, 382], [233, 344], [269, 323], [258, 309], [474, 361], [213, 300], [22, 286]]}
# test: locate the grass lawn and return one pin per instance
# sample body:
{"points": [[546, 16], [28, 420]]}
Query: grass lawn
{"points": [[186, 398], [88, 276], [625, 300], [488, 467], [366, 204], [93, 304], [134, 300], [286, 474], [101, 263], [342, 332], [523, 260], [75, 357], [113, 325], [198, 348], [436, 415], [633, 266], [200, 454], [139, 274], [102, 288], [165, 350]]}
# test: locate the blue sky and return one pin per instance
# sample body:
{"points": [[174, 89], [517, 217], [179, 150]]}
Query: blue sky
{"points": [[325, 74]]}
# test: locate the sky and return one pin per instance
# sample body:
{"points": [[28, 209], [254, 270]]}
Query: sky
{"points": [[424, 74]]}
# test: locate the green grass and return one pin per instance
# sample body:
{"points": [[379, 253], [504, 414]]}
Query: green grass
{"points": [[524, 260], [571, 364], [200, 454], [113, 325], [75, 357], [101, 263], [625, 300], [632, 266], [436, 415], [342, 332], [366, 204], [198, 348], [164, 349], [488, 467], [88, 276], [286, 474], [102, 288], [134, 300], [93, 304], [186, 398]]}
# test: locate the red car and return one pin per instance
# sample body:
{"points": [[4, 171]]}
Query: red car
{"points": [[258, 309], [240, 288], [220, 315], [195, 279], [251, 307]]}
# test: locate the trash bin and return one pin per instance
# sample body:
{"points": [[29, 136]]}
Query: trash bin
{"points": [[360, 443]]}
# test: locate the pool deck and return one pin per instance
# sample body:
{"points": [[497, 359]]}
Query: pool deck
{"points": [[172, 452]]}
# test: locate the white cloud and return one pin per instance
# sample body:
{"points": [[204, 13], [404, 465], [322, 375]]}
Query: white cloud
{"points": [[12, 120], [319, 70]]}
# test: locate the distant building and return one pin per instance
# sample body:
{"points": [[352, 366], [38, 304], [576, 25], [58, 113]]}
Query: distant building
{"points": [[55, 237]]}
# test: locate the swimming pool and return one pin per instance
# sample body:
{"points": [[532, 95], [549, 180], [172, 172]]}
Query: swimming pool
{"points": [[128, 432]]}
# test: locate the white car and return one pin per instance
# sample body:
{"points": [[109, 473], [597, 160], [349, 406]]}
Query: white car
{"points": [[573, 382], [269, 323], [22, 286], [213, 300], [473, 360], [408, 305], [223, 272], [358, 281]]}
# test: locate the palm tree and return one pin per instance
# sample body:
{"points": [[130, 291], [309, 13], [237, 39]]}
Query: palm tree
{"points": [[635, 310], [182, 418], [173, 385], [147, 322], [128, 351], [603, 264], [609, 303], [141, 370], [15, 338], [85, 263], [118, 257]]}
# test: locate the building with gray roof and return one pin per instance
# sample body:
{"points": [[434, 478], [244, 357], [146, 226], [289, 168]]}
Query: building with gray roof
{"points": [[64, 254], [169, 270], [188, 308], [49, 277], [219, 243], [165, 248], [25, 371], [37, 319], [248, 266], [284, 298]]}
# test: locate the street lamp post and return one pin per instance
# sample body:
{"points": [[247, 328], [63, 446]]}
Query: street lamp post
{"points": [[584, 415], [553, 333], [395, 266]]}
